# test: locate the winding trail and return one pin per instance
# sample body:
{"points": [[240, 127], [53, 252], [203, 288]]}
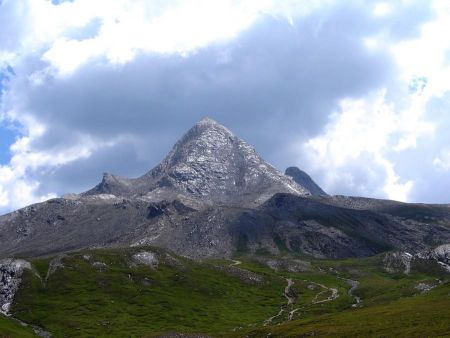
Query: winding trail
{"points": [[353, 286], [292, 313], [287, 291], [55, 264], [333, 296], [290, 301], [235, 262], [39, 331]]}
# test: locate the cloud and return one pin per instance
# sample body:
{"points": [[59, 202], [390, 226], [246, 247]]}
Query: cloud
{"points": [[443, 160], [351, 155], [96, 83]]}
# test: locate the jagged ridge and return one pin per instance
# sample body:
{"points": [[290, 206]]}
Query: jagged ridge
{"points": [[210, 163], [304, 180], [213, 196]]}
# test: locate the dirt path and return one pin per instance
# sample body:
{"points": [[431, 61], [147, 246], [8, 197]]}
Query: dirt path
{"points": [[288, 291], [333, 296], [55, 264], [39, 331], [269, 320], [290, 301], [353, 286], [292, 313], [235, 262]]}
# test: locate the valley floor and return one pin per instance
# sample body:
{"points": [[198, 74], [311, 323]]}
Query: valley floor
{"points": [[148, 292]]}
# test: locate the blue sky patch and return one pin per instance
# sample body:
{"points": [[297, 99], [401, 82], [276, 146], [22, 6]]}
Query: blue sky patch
{"points": [[7, 134], [7, 137]]}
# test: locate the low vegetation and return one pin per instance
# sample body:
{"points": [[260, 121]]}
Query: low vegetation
{"points": [[107, 293]]}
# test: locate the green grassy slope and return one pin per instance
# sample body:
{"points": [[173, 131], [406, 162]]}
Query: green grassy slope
{"points": [[11, 328], [121, 299], [392, 306], [425, 315]]}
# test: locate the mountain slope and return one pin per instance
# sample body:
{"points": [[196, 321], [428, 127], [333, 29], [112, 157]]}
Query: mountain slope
{"points": [[284, 223], [213, 196], [211, 164], [303, 179], [149, 292]]}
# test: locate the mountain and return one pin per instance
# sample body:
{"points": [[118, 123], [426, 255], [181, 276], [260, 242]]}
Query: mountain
{"points": [[208, 163], [214, 241], [304, 180], [214, 196]]}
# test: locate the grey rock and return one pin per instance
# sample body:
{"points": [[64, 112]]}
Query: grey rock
{"points": [[11, 271], [404, 262], [242, 274], [55, 264], [214, 196], [146, 258], [288, 264], [440, 255], [100, 266], [398, 262], [209, 163], [304, 180], [424, 287]]}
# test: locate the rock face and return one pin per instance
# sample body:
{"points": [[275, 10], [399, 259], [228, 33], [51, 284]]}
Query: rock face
{"points": [[146, 258], [398, 262], [10, 276], [213, 196], [440, 255], [401, 261], [211, 164], [303, 179]]}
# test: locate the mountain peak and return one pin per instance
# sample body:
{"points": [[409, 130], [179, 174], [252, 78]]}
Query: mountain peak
{"points": [[303, 179], [206, 124], [208, 120], [208, 163]]}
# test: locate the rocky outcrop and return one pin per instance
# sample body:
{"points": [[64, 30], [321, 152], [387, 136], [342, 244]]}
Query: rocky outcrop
{"points": [[146, 258], [209, 163], [11, 271], [395, 262], [303, 179], [440, 255], [398, 262]]}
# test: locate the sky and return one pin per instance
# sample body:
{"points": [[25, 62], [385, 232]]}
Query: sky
{"points": [[356, 93]]}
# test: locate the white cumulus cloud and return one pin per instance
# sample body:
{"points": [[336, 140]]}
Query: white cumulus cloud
{"points": [[109, 85]]}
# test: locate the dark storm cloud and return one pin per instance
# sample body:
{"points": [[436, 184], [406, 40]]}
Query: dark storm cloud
{"points": [[274, 83]]}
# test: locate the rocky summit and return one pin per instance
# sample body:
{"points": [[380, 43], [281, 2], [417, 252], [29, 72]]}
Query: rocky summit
{"points": [[303, 179], [208, 163], [214, 196]]}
